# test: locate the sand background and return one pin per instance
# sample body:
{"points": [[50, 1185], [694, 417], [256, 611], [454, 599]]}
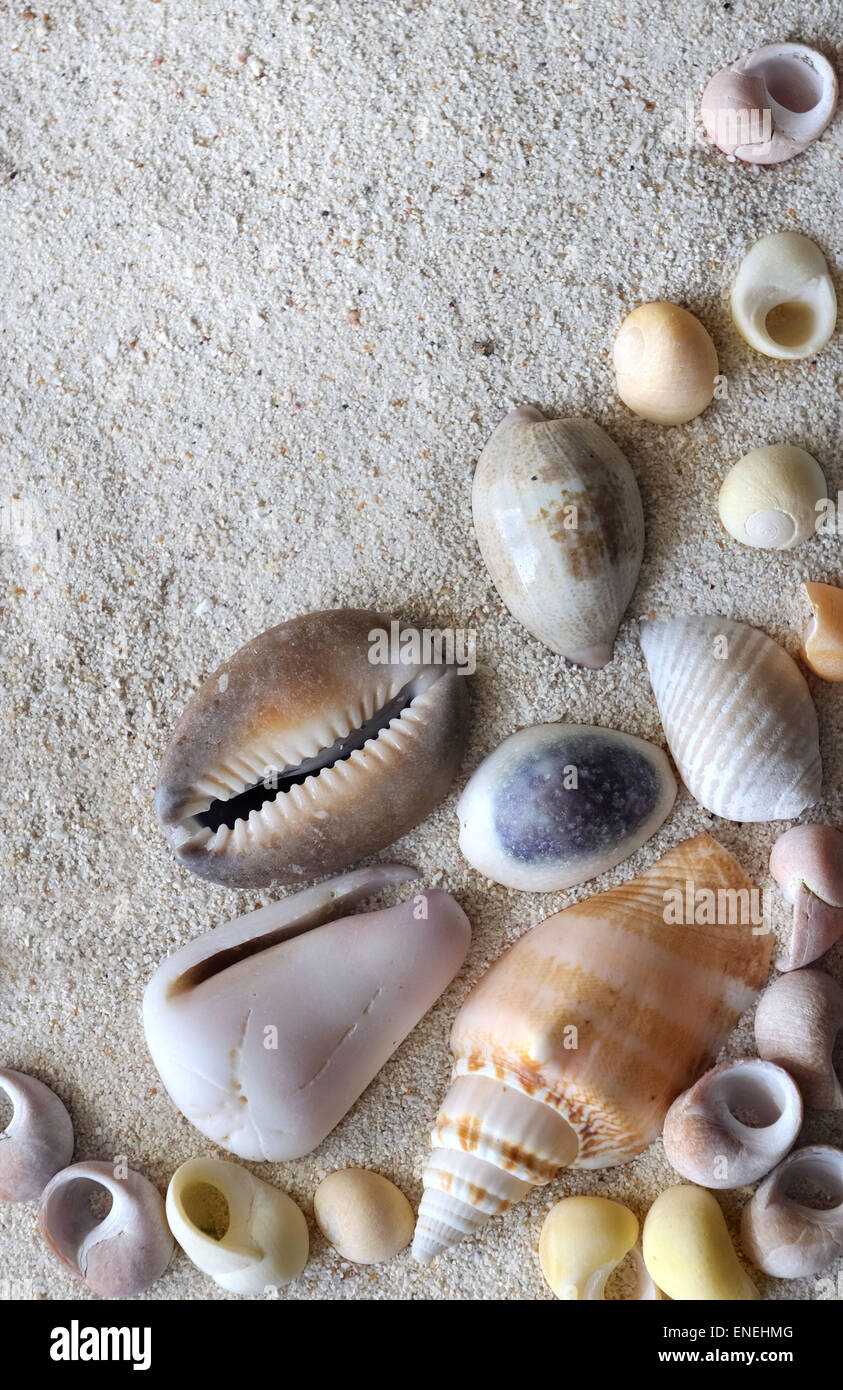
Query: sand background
{"points": [[269, 276]]}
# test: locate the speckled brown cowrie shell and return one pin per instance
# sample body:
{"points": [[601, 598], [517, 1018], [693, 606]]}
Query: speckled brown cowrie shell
{"points": [[300, 755]]}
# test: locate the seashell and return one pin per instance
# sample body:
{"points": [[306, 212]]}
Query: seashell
{"points": [[687, 1249], [560, 527], [771, 105], [824, 639], [117, 1254], [807, 864], [734, 1124], [582, 1242], [246, 1234], [780, 1234], [38, 1140], [665, 364], [798, 1018], [268, 1029], [783, 299], [769, 498], [572, 1046], [302, 753], [557, 804], [738, 717], [364, 1216]]}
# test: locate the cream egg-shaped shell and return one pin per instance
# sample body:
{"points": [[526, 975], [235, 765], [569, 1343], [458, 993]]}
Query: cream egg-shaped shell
{"points": [[665, 363]]}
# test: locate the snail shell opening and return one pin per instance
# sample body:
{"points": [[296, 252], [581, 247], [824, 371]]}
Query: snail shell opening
{"points": [[783, 299]]}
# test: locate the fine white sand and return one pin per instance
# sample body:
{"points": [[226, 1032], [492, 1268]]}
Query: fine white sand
{"points": [[269, 276]]}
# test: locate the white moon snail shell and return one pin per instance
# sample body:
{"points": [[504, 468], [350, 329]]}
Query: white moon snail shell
{"points": [[38, 1141], [557, 804], [666, 363], [782, 1235], [267, 1030], [783, 299], [734, 1124], [738, 717], [771, 105], [119, 1254], [246, 1234], [768, 499], [560, 527]]}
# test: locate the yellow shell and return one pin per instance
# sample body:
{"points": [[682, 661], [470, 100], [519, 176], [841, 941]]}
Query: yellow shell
{"points": [[824, 637], [573, 1045], [666, 363], [768, 499], [583, 1240], [687, 1249]]}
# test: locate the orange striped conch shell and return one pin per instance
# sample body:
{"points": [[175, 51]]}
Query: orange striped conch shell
{"points": [[572, 1046]]}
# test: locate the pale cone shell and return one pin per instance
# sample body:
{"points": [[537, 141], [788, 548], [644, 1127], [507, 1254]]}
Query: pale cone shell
{"points": [[574, 1043]]}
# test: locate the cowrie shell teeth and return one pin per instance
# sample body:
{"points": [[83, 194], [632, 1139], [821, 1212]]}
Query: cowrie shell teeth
{"points": [[38, 1140], [771, 105], [708, 1143], [117, 1255], [783, 299], [299, 755], [268, 1029], [246, 1234], [738, 717], [779, 1233]]}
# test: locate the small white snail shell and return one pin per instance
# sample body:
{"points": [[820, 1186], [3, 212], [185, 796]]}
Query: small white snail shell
{"points": [[783, 299], [363, 1215], [119, 1254], [807, 864], [797, 1021], [779, 1233], [38, 1140], [583, 1241], [771, 105], [768, 499], [707, 1143], [665, 362], [247, 1235]]}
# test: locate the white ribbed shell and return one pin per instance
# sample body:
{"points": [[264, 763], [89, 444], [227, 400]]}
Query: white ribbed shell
{"points": [[738, 717]]}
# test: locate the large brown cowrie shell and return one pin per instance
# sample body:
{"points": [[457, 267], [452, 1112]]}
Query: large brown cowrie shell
{"points": [[300, 755]]}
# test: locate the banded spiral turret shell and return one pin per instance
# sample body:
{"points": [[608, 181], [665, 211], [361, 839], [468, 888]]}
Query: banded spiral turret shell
{"points": [[572, 1046], [561, 529], [738, 717]]}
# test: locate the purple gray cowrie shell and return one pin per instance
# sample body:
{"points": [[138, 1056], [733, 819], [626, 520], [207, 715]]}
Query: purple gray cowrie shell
{"points": [[119, 1254], [38, 1140], [314, 746]]}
